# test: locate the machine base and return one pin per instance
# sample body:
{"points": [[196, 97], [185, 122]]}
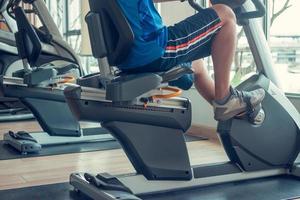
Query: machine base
{"points": [[140, 186], [36, 141]]}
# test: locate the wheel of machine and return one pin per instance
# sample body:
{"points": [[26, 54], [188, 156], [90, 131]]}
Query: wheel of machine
{"points": [[252, 146]]}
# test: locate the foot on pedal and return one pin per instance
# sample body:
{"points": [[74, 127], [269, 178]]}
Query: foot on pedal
{"points": [[239, 103], [255, 115]]}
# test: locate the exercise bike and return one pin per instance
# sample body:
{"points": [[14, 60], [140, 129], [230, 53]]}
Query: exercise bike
{"points": [[152, 134], [11, 109], [48, 63]]}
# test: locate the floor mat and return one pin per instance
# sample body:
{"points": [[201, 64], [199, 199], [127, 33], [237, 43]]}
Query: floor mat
{"points": [[276, 188], [7, 152]]}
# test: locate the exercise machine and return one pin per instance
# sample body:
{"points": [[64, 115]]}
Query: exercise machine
{"points": [[261, 145], [11, 109], [265, 144], [48, 63]]}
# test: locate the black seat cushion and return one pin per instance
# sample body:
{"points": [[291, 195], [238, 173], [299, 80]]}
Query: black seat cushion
{"points": [[181, 77]]}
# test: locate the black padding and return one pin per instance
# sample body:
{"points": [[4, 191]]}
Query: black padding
{"points": [[117, 33], [28, 43], [90, 80], [93, 21], [112, 33], [66, 68]]}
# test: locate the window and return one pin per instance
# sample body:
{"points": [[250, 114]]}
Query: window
{"points": [[67, 15], [73, 24], [56, 9], [284, 41]]}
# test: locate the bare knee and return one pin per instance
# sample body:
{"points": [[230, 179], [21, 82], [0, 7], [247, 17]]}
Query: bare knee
{"points": [[198, 68], [228, 19], [225, 13]]}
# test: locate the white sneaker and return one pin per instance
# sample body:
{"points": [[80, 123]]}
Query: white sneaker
{"points": [[238, 103]]}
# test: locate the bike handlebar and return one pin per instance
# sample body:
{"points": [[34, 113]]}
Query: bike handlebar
{"points": [[259, 6], [195, 5], [259, 12]]}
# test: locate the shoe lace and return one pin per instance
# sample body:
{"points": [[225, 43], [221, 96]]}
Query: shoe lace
{"points": [[239, 94]]}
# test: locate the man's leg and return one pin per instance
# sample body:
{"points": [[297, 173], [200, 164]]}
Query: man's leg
{"points": [[203, 83], [210, 32], [227, 102], [223, 48]]}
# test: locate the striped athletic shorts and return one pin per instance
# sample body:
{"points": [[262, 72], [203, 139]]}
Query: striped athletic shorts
{"points": [[188, 40]]}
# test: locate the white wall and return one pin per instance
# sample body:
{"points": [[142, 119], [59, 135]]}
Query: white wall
{"points": [[202, 111], [173, 12], [85, 39]]}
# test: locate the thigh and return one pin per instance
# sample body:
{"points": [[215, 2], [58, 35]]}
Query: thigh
{"points": [[191, 39]]}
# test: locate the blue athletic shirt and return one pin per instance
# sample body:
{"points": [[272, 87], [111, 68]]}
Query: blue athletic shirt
{"points": [[150, 34]]}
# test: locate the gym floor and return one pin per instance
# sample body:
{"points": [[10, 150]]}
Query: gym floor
{"points": [[19, 173]]}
